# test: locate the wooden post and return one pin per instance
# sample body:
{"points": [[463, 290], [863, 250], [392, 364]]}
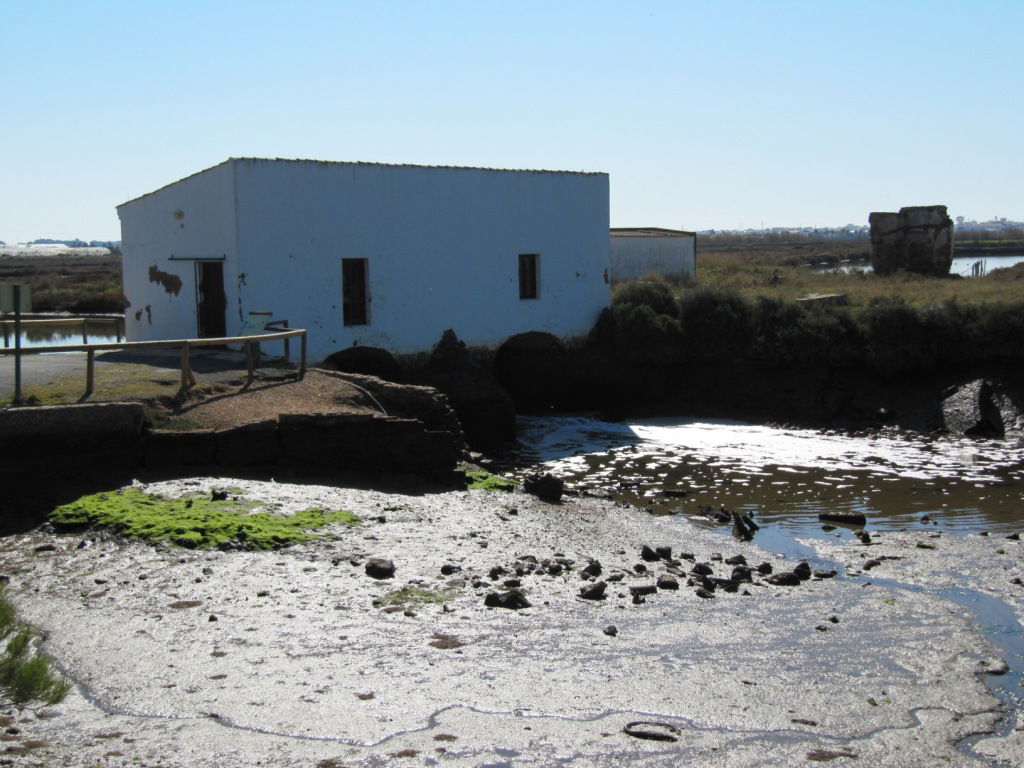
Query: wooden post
{"points": [[250, 365], [4, 324], [302, 359], [119, 328], [85, 332], [186, 369], [90, 371]]}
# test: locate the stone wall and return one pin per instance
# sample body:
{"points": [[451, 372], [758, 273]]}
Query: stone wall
{"points": [[917, 239]]}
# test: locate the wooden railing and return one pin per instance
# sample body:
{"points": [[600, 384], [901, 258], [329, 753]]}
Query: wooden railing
{"points": [[188, 379]]}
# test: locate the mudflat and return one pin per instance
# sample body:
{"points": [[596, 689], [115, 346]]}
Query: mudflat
{"points": [[313, 656]]}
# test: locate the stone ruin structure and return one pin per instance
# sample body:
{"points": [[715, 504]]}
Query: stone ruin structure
{"points": [[917, 239]]}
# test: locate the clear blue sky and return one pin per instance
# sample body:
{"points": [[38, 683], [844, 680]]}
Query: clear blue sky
{"points": [[705, 114]]}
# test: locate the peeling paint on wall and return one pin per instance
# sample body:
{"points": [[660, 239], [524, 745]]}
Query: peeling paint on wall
{"points": [[149, 314], [171, 283]]}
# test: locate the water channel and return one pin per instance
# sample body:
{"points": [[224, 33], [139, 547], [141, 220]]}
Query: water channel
{"points": [[786, 477]]}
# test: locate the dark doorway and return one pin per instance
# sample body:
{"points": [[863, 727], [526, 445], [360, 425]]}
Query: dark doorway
{"points": [[528, 275], [211, 302], [353, 289]]}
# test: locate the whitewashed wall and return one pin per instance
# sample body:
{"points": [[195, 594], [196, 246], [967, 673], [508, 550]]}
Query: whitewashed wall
{"points": [[151, 235], [670, 256], [442, 246]]}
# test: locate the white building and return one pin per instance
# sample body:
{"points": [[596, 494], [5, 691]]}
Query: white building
{"points": [[640, 251], [367, 254]]}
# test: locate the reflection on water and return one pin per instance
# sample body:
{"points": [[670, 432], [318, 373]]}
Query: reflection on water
{"points": [[97, 332], [786, 476], [962, 265]]}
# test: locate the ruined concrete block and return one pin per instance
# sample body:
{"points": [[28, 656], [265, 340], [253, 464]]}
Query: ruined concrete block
{"points": [[917, 239]]}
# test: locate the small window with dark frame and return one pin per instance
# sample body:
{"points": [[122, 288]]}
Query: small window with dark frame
{"points": [[353, 291], [528, 263]]}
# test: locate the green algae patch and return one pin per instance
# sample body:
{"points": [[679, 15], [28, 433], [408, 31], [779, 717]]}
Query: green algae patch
{"points": [[194, 522], [410, 595], [479, 479]]}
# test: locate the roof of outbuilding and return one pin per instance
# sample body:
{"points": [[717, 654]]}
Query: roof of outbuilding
{"points": [[358, 163], [649, 232]]}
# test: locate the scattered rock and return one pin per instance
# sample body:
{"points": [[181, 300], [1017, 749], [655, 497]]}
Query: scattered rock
{"points": [[45, 548], [218, 494], [593, 569], [380, 568], [702, 569], [845, 518], [643, 589], [445, 642], [803, 571], [594, 591], [736, 560], [831, 574], [972, 411], [449, 568], [765, 568], [647, 553], [652, 730], [611, 630], [667, 582], [513, 599], [703, 593], [664, 553], [784, 579], [545, 487]]}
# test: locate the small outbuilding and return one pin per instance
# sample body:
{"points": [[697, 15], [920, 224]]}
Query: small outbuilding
{"points": [[639, 251], [367, 254]]}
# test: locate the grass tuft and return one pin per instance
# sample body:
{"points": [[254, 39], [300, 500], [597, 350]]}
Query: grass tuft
{"points": [[25, 677]]}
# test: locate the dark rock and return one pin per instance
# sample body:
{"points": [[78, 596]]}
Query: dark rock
{"points": [[727, 585], [554, 569], [545, 487], [686, 556], [643, 589], [1014, 537], [716, 557], [971, 410], [784, 579], [511, 583], [380, 568], [611, 630], [826, 528], [803, 571], [496, 572], [369, 361], [594, 591], [593, 569], [864, 536], [703, 593], [45, 548], [831, 574], [872, 563], [647, 553], [449, 568], [741, 573], [667, 582], [702, 568], [616, 577], [640, 568], [736, 560], [665, 553], [513, 599], [844, 518]]}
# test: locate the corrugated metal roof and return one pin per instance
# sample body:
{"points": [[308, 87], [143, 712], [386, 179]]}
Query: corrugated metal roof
{"points": [[649, 232], [358, 163]]}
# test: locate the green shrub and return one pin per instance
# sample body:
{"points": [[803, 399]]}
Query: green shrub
{"points": [[635, 334], [716, 324], [896, 338], [655, 294], [24, 676]]}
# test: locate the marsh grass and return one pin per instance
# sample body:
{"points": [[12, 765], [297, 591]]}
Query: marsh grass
{"points": [[25, 677], [113, 382], [195, 522]]}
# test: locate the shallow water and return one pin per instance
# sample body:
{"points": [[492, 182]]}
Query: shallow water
{"points": [[962, 265], [786, 477], [97, 332]]}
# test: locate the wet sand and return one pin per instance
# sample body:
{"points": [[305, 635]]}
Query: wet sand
{"points": [[197, 658]]}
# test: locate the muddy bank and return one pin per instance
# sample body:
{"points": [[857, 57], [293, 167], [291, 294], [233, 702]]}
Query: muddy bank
{"points": [[301, 657]]}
